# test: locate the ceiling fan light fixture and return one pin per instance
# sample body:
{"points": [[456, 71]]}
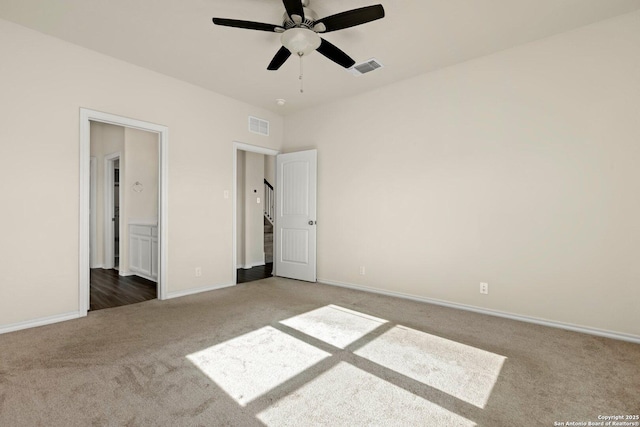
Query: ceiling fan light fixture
{"points": [[300, 41]]}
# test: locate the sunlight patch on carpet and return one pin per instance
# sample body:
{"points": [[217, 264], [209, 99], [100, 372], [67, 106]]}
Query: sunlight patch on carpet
{"points": [[250, 365], [465, 372], [334, 325], [348, 396]]}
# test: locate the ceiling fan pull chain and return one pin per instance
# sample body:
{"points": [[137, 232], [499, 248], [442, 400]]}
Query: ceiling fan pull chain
{"points": [[301, 81]]}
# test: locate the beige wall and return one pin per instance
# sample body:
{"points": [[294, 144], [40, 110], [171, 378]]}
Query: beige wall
{"points": [[519, 169], [141, 149], [138, 163], [249, 220], [105, 139], [253, 212], [270, 169], [44, 82], [141, 154], [240, 206]]}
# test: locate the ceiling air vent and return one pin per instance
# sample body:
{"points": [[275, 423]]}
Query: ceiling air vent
{"points": [[365, 67], [258, 126]]}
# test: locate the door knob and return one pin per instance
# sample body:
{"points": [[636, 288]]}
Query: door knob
{"points": [[311, 222]]}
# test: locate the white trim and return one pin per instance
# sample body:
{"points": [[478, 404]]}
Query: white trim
{"points": [[178, 294], [39, 322], [254, 149], [84, 217], [109, 202], [93, 221], [137, 273], [86, 116], [497, 313], [124, 273], [143, 221], [250, 266]]}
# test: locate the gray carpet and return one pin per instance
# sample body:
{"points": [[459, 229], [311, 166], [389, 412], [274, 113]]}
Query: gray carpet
{"points": [[280, 352]]}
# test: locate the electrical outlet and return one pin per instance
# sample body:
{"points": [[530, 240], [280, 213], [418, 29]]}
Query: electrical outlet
{"points": [[225, 194], [362, 271], [198, 271], [484, 288]]}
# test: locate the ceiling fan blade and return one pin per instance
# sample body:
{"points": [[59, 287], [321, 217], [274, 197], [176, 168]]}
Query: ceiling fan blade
{"points": [[281, 56], [249, 25], [351, 18], [294, 7], [335, 54]]}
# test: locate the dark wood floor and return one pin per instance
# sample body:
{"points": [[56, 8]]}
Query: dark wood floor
{"points": [[108, 289], [255, 273]]}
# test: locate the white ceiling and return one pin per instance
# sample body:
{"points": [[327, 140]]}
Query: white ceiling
{"points": [[177, 38]]}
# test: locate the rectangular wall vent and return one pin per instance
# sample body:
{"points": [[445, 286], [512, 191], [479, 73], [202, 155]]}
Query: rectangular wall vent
{"points": [[365, 67], [258, 126]]}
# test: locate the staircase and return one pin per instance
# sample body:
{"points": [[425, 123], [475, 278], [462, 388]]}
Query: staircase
{"points": [[269, 215], [268, 241]]}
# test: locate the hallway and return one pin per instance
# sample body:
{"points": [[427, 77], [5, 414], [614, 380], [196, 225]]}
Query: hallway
{"points": [[108, 289], [255, 273]]}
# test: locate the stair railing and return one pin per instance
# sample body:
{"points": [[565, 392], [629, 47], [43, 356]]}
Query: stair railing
{"points": [[269, 202]]}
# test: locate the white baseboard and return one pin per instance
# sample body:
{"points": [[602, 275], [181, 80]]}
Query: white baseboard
{"points": [[529, 319], [249, 266], [186, 292], [137, 273], [97, 266], [39, 322]]}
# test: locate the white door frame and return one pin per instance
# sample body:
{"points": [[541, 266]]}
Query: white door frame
{"points": [[109, 202], [94, 214], [254, 149], [87, 116]]}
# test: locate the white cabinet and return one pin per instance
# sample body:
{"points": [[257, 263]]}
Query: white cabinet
{"points": [[143, 251]]}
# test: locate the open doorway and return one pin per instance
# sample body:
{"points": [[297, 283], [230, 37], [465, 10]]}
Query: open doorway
{"points": [[254, 191], [105, 138], [255, 178], [126, 194], [89, 211], [294, 212], [116, 214]]}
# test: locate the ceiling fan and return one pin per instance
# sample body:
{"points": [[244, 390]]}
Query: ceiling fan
{"points": [[300, 29]]}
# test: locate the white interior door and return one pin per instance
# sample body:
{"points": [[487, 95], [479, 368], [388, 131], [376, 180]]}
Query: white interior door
{"points": [[296, 186]]}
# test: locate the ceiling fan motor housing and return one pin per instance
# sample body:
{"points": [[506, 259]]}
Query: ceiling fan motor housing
{"points": [[300, 28], [309, 19]]}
